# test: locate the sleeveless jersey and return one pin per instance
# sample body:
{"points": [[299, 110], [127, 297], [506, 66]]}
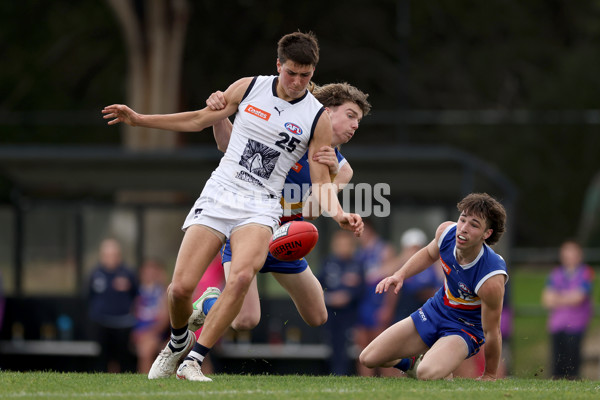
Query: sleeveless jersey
{"points": [[297, 187], [268, 137], [458, 298]]}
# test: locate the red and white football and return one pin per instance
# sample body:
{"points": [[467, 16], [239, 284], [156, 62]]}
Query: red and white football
{"points": [[293, 240]]}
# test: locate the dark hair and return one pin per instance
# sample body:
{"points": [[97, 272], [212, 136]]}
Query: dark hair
{"points": [[300, 48], [336, 94], [485, 206]]}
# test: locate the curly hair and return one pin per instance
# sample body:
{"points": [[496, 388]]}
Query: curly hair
{"points": [[336, 94], [301, 48], [485, 206]]}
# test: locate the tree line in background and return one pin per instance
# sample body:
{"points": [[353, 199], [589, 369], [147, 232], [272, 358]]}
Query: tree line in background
{"points": [[67, 57]]}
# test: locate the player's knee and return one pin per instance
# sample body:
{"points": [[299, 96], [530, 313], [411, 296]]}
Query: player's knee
{"points": [[317, 319], [180, 292], [428, 372], [245, 322], [240, 281], [365, 358]]}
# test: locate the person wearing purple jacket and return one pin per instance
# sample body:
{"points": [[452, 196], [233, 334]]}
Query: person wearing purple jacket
{"points": [[567, 296]]}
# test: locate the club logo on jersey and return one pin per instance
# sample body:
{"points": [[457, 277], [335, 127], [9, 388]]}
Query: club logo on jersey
{"points": [[257, 112], [297, 167], [295, 129], [259, 159], [464, 288]]}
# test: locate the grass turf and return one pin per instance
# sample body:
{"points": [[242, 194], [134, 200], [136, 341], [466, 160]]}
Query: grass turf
{"points": [[54, 385]]}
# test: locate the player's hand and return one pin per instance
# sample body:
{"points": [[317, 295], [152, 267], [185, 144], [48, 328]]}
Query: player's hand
{"points": [[487, 377], [352, 222], [384, 285], [120, 113], [326, 155], [216, 101]]}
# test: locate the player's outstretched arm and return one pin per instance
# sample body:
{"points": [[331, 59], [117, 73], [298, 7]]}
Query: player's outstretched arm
{"points": [[190, 121], [491, 294], [419, 262]]}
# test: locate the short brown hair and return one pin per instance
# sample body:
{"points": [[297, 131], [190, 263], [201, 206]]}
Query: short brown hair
{"points": [[484, 205], [336, 94], [298, 47]]}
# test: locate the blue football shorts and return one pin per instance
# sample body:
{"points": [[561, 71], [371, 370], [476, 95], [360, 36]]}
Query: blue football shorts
{"points": [[271, 263], [432, 324]]}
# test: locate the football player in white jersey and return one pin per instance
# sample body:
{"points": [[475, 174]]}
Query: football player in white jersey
{"points": [[346, 106], [465, 313], [241, 199]]}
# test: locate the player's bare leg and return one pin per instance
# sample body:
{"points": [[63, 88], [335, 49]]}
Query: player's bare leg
{"points": [[198, 248], [399, 341], [249, 247], [445, 356], [306, 292], [249, 315]]}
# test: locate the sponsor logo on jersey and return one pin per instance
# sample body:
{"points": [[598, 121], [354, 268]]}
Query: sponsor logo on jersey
{"points": [[257, 112], [297, 167], [295, 129], [422, 315], [446, 268]]}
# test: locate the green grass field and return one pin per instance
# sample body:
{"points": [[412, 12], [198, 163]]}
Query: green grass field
{"points": [[51, 385]]}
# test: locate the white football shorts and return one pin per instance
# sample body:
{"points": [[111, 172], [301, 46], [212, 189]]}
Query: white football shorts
{"points": [[224, 210]]}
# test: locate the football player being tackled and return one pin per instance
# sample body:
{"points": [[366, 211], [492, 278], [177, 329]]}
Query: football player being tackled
{"points": [[346, 106]]}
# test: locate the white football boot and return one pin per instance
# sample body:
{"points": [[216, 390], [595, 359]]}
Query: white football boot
{"points": [[190, 370], [166, 363]]}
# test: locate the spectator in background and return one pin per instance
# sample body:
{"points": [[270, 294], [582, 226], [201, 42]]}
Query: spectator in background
{"points": [[112, 291], [341, 278], [374, 253], [152, 314], [568, 297]]}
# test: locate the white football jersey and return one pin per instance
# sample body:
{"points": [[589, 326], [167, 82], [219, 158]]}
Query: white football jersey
{"points": [[269, 135]]}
